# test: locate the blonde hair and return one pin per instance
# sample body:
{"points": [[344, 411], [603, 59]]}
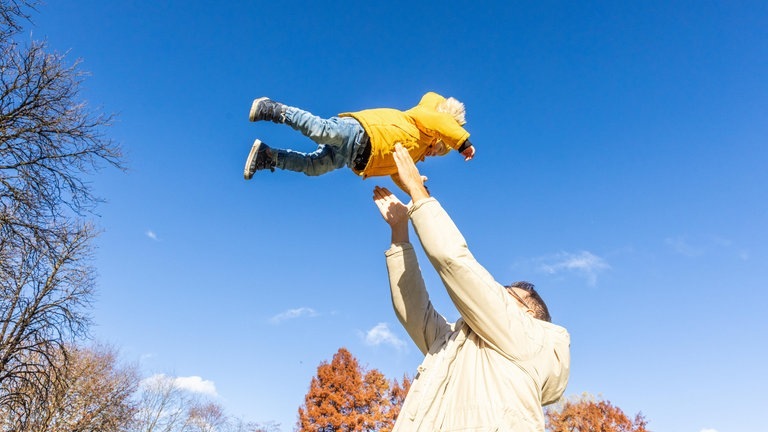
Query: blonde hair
{"points": [[454, 108]]}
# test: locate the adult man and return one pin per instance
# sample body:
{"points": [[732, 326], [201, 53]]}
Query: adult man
{"points": [[495, 367]]}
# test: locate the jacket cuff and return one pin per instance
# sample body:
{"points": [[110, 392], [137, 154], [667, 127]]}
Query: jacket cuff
{"points": [[397, 248], [421, 203], [464, 146]]}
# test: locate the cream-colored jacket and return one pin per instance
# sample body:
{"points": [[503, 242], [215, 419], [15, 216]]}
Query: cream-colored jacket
{"points": [[495, 367]]}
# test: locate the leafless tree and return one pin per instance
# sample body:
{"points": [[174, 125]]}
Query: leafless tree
{"points": [[239, 425], [206, 417], [98, 397], [44, 295], [50, 142], [163, 406], [11, 12]]}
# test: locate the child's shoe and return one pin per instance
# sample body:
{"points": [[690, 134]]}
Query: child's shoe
{"points": [[259, 158], [265, 108]]}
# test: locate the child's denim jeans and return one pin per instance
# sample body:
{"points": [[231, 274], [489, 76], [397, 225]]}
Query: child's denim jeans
{"points": [[338, 138]]}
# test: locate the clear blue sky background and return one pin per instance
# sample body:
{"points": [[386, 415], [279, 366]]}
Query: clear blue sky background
{"points": [[621, 166]]}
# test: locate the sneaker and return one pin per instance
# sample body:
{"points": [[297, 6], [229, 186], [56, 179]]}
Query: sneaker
{"points": [[260, 158], [265, 108]]}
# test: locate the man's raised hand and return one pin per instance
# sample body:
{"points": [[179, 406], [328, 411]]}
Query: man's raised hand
{"points": [[392, 209], [394, 212], [409, 179]]}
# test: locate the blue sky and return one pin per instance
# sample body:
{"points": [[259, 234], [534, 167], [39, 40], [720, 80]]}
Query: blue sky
{"points": [[621, 166]]}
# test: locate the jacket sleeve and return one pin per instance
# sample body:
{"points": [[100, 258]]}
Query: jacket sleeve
{"points": [[410, 299], [451, 133], [440, 123], [483, 303]]}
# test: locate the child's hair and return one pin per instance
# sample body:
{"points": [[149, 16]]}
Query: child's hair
{"points": [[454, 108]]}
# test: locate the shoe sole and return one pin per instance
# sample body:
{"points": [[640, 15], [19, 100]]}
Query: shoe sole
{"points": [[254, 108], [251, 156]]}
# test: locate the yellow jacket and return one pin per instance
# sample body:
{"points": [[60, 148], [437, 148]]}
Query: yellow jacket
{"points": [[417, 129]]}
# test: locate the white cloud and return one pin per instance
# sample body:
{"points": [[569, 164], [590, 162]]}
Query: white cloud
{"points": [[151, 234], [292, 314], [381, 334], [196, 384], [709, 430], [155, 380], [193, 384], [584, 263]]}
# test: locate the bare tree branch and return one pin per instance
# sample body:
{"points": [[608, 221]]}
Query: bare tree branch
{"points": [[45, 295], [11, 12], [97, 397], [50, 143]]}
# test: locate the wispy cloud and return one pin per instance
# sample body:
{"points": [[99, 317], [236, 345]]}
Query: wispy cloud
{"points": [[705, 245], [382, 335], [583, 263], [152, 235], [192, 384], [709, 430], [681, 246], [293, 314]]}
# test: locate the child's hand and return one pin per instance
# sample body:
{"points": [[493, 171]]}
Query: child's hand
{"points": [[468, 153]]}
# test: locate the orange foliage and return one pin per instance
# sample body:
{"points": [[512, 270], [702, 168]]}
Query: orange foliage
{"points": [[344, 397], [587, 415]]}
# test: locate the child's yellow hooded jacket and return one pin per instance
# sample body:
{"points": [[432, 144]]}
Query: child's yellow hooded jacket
{"points": [[416, 129]]}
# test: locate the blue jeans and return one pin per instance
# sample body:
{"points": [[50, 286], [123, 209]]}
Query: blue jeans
{"points": [[338, 140]]}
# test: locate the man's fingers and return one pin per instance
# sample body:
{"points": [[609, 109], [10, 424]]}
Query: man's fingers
{"points": [[384, 197], [396, 156], [402, 157], [380, 192], [399, 153]]}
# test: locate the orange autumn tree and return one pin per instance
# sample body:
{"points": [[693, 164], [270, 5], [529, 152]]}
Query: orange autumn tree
{"points": [[344, 397], [585, 414]]}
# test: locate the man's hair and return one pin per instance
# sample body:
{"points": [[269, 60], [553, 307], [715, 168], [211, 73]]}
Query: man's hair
{"points": [[533, 300], [454, 108]]}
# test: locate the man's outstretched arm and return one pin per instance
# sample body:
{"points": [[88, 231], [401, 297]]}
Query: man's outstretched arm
{"points": [[482, 301], [409, 295]]}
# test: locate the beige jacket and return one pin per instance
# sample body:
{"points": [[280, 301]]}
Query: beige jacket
{"points": [[496, 366]]}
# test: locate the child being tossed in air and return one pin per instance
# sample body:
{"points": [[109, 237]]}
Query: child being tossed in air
{"points": [[363, 140]]}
